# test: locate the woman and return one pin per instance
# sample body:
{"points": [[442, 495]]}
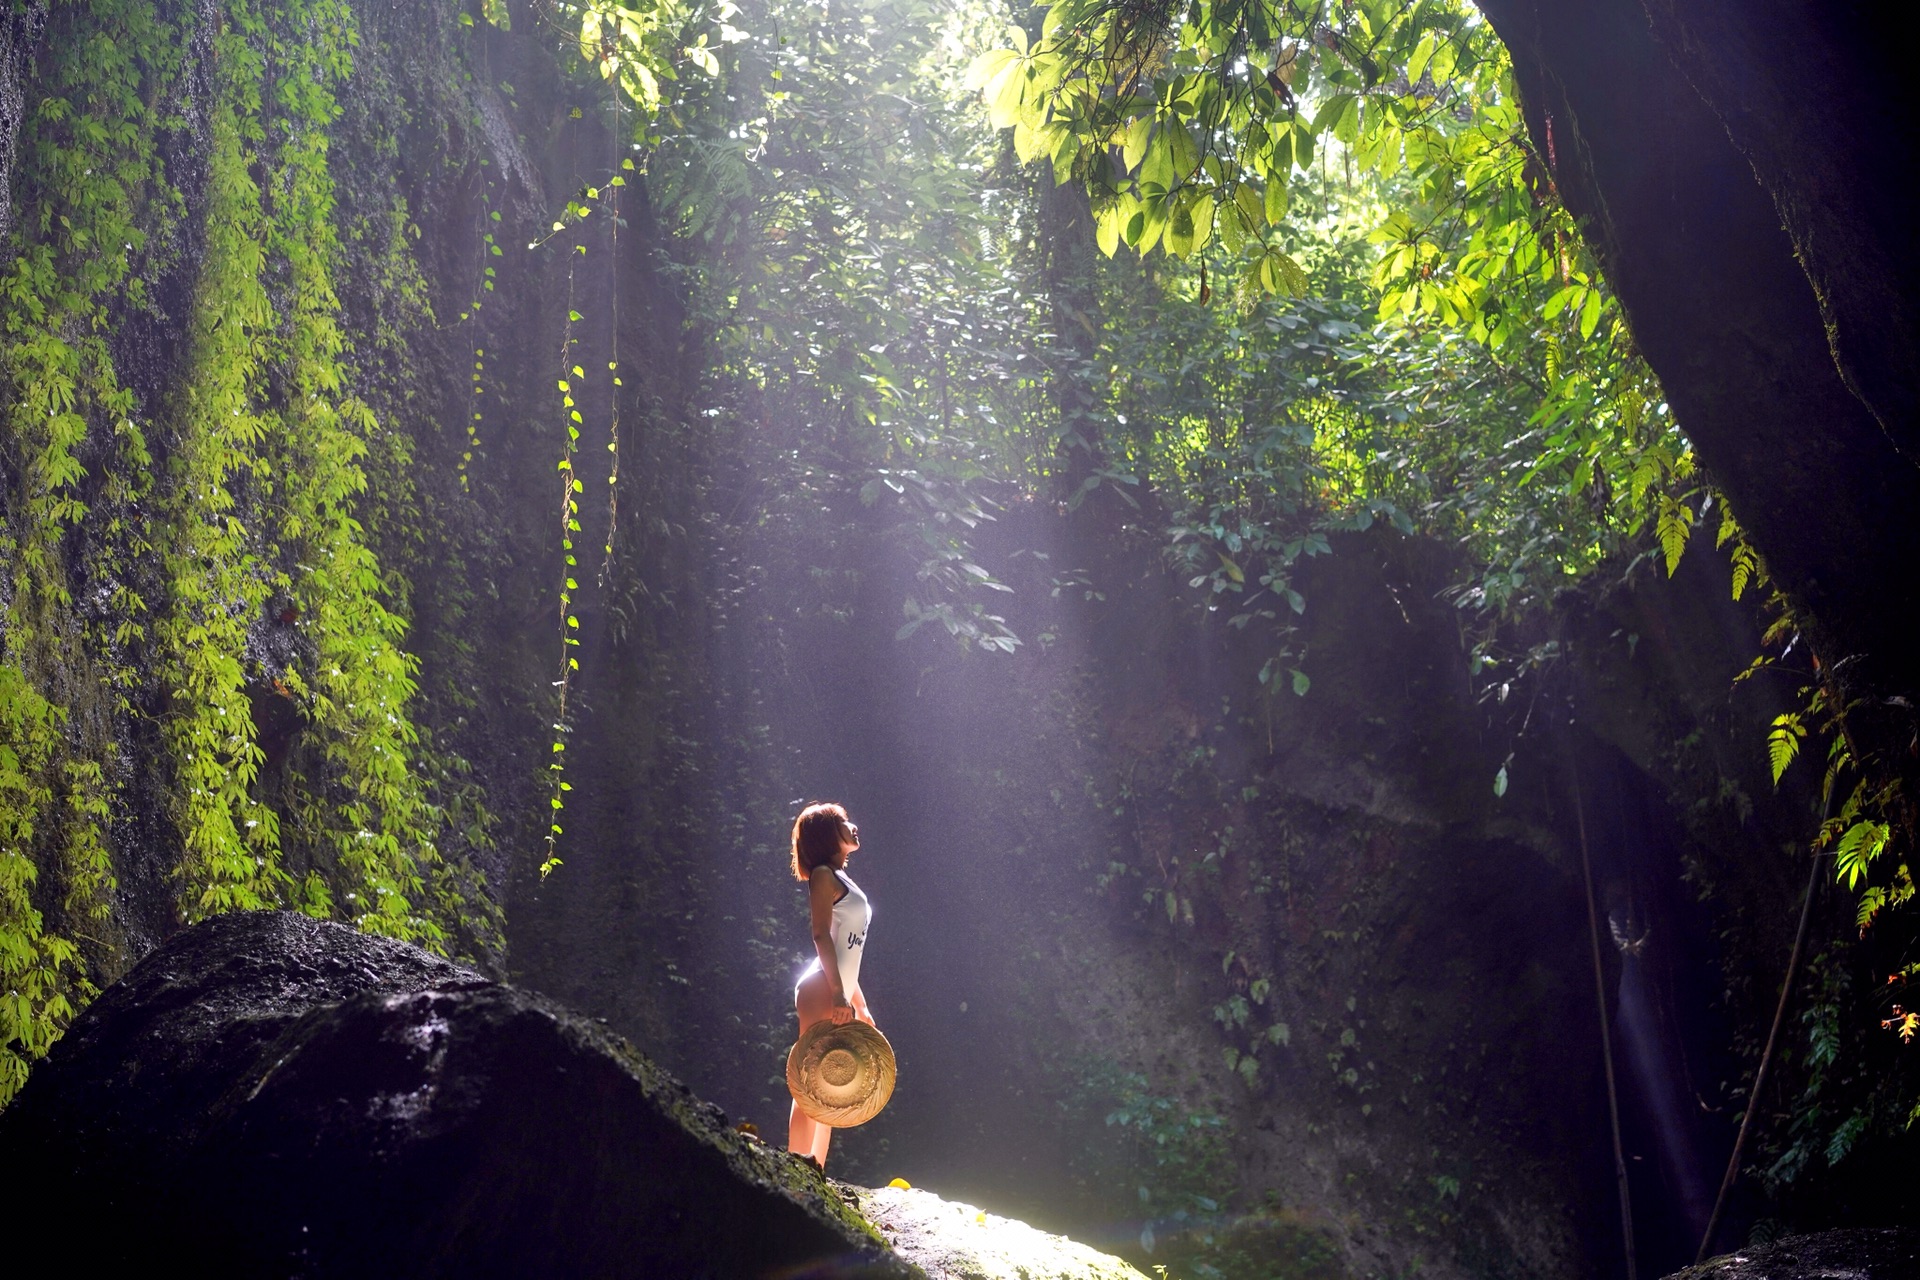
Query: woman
{"points": [[829, 989]]}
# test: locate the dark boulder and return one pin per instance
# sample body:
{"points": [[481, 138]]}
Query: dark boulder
{"points": [[1890, 1254], [271, 1095]]}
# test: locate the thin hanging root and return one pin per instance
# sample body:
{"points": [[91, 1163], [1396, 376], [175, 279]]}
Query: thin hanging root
{"points": [[1766, 1055], [1606, 1033]]}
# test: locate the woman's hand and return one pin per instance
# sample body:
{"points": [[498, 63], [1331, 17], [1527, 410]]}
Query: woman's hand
{"points": [[841, 1013]]}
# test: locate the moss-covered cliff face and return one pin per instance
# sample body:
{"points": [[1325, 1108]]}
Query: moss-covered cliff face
{"points": [[280, 510]]}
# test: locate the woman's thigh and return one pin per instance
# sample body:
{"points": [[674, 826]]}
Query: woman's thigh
{"points": [[812, 999]]}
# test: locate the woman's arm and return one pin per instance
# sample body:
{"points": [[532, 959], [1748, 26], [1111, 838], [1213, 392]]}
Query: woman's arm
{"points": [[822, 888], [860, 1009]]}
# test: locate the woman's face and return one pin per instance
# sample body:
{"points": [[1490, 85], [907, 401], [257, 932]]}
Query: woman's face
{"points": [[849, 839]]}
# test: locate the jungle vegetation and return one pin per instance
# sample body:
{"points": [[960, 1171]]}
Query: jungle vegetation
{"points": [[1250, 274]]}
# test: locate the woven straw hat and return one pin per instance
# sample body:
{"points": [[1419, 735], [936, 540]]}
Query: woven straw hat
{"points": [[841, 1075]]}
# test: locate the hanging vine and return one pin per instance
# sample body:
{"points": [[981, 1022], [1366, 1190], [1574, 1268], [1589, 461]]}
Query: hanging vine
{"points": [[193, 552], [572, 377], [93, 159], [217, 584]]}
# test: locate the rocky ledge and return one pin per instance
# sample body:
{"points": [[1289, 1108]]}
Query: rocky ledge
{"points": [[268, 1095], [954, 1241], [1855, 1254]]}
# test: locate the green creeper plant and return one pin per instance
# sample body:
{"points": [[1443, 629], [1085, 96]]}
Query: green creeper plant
{"points": [[226, 506], [41, 975], [571, 383], [89, 143], [217, 583]]}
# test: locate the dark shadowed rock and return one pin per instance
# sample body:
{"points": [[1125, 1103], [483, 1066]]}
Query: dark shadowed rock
{"points": [[1831, 1255], [272, 1095], [1763, 264]]}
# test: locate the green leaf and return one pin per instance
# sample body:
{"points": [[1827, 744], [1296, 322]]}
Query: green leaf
{"points": [[1675, 525], [1232, 229], [1200, 214], [984, 69], [1590, 313], [1745, 565], [1156, 162], [1252, 209], [1279, 273], [1783, 743], [1422, 53], [1275, 204], [1181, 150], [1005, 94], [1858, 848], [1135, 148]]}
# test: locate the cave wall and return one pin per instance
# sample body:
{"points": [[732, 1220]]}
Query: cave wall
{"points": [[1813, 97], [1106, 873], [1739, 171]]}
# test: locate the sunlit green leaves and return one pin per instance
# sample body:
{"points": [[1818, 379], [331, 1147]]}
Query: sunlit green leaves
{"points": [[1275, 271], [1783, 742], [1862, 842], [1225, 97], [634, 43], [1674, 527]]}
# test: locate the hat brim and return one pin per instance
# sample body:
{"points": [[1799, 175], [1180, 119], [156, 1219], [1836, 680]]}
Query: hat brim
{"points": [[842, 1075]]}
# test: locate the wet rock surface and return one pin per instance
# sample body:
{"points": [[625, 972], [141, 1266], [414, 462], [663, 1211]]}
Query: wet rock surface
{"points": [[954, 1241], [273, 1095], [1891, 1254]]}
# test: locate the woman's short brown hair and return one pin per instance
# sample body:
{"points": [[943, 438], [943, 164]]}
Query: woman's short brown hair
{"points": [[816, 838]]}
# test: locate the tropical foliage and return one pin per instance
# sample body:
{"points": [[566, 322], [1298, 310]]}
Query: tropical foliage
{"points": [[187, 561], [1252, 273]]}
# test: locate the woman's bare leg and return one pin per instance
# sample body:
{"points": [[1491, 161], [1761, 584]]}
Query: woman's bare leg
{"points": [[805, 1133], [812, 1000], [821, 1133]]}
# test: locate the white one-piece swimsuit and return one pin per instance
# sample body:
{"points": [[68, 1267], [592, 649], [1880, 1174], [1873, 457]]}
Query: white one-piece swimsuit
{"points": [[852, 913]]}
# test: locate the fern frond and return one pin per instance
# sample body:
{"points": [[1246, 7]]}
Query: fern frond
{"points": [[1861, 844], [1745, 568], [1675, 526], [1783, 743]]}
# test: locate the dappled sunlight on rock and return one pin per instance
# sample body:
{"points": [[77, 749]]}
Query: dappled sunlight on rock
{"points": [[954, 1241]]}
